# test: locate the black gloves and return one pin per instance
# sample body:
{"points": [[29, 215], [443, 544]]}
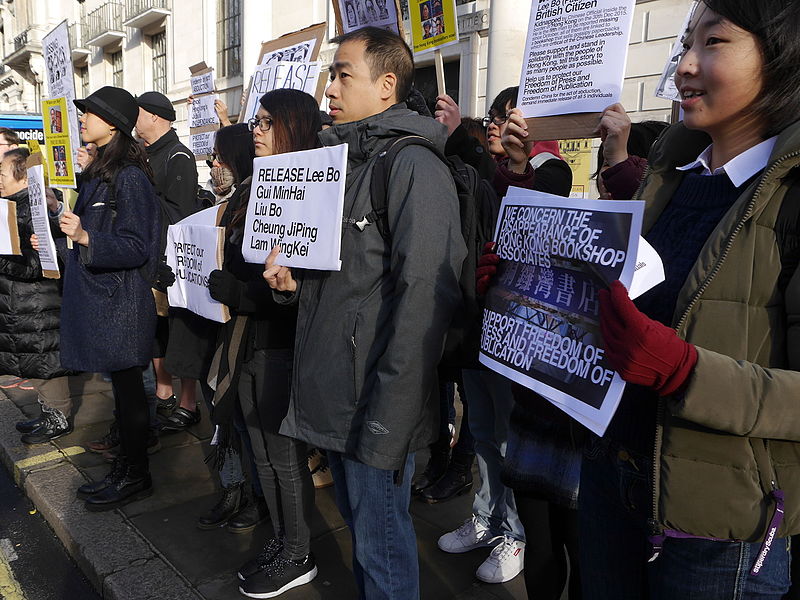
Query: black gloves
{"points": [[164, 277], [224, 287]]}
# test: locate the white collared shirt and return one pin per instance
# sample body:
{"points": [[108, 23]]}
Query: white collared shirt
{"points": [[740, 168]]}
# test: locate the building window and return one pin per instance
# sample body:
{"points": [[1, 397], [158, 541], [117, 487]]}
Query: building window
{"points": [[83, 73], [116, 69], [229, 41], [160, 62]]}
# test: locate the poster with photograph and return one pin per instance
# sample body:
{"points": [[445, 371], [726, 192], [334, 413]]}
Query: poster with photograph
{"points": [[666, 84], [541, 322], [575, 56], [296, 201], [61, 86], [355, 14], [433, 24], [40, 218], [58, 144]]}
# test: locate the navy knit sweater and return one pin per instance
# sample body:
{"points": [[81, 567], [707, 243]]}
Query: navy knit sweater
{"points": [[678, 236]]}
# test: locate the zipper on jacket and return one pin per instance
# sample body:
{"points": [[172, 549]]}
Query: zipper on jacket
{"points": [[655, 525]]}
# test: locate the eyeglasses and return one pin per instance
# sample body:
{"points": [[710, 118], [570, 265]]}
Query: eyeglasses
{"points": [[264, 124], [496, 119]]}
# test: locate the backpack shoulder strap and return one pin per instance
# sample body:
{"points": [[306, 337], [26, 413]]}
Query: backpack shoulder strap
{"points": [[379, 181]]}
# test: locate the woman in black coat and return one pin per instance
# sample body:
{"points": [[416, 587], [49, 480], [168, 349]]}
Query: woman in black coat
{"points": [[29, 314], [108, 312]]}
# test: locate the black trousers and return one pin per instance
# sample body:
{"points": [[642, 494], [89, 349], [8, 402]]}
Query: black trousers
{"points": [[132, 415]]}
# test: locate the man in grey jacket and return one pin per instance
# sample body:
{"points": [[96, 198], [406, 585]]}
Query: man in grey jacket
{"points": [[369, 337]]}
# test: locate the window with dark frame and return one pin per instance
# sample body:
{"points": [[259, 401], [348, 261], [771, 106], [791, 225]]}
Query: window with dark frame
{"points": [[229, 42], [160, 62], [83, 73], [116, 69]]}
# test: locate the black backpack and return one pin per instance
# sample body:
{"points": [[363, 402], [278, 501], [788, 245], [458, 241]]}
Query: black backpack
{"points": [[479, 206]]}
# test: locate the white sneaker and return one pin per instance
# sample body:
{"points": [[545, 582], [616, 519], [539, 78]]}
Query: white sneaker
{"points": [[504, 563], [472, 534]]}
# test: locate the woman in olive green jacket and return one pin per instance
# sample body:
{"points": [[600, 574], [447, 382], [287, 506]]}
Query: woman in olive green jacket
{"points": [[700, 467]]}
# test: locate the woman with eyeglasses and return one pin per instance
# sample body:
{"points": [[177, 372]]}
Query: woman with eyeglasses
{"points": [[257, 352]]}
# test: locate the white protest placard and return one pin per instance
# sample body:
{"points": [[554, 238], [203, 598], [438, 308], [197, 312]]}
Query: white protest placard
{"points": [[274, 75], [193, 251], [575, 56], [202, 143], [541, 324], [201, 111], [296, 200], [202, 83], [666, 85], [61, 84], [9, 231], [648, 272], [40, 218]]}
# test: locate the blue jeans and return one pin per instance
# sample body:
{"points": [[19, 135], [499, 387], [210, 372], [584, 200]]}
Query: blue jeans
{"points": [[376, 511], [490, 403], [615, 504]]}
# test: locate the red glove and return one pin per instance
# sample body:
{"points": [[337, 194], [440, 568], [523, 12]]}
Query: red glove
{"points": [[641, 350], [487, 268]]}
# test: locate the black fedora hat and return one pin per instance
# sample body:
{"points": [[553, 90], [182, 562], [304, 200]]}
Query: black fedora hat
{"points": [[114, 105]]}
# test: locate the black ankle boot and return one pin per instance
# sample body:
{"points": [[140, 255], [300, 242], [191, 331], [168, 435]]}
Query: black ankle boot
{"points": [[456, 481], [247, 519], [230, 503], [133, 483], [434, 470], [93, 487]]}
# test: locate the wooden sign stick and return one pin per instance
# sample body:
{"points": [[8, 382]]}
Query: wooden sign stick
{"points": [[437, 58]]}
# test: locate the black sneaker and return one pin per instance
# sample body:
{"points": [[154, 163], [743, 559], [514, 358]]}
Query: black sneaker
{"points": [[260, 562], [53, 426], [281, 575], [165, 406]]}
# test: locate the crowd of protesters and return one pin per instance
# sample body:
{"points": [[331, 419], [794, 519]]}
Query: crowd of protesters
{"points": [[694, 491]]}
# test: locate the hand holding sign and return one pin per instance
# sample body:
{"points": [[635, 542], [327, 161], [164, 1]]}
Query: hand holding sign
{"points": [[86, 155], [448, 113], [516, 141], [277, 277], [35, 242], [614, 129], [70, 224]]}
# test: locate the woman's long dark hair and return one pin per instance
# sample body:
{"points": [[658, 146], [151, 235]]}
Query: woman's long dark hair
{"points": [[120, 152], [295, 125], [235, 149]]}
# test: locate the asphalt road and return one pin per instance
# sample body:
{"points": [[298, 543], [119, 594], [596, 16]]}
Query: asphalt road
{"points": [[33, 563]]}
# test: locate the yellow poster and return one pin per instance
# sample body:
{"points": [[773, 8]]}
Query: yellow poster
{"points": [[433, 24], [578, 154], [58, 148]]}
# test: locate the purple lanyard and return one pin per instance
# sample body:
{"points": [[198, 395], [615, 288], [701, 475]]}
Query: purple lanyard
{"points": [[657, 541]]}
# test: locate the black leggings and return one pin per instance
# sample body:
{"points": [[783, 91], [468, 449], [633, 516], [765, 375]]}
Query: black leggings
{"points": [[549, 529], [132, 415]]}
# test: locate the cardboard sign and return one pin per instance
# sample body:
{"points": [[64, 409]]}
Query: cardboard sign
{"points": [[433, 24], [202, 113], [541, 324], [301, 76], [60, 116], [298, 46], [201, 79], [296, 201], [355, 14], [193, 251], [203, 119], [202, 143], [574, 64], [40, 218], [9, 231]]}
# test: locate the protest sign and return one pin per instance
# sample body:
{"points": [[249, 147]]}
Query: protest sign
{"points": [[301, 76], [541, 325], [666, 84], [39, 217], [433, 24], [9, 231], [355, 14], [202, 113], [193, 251], [296, 200], [299, 46], [203, 119], [574, 64], [61, 131]]}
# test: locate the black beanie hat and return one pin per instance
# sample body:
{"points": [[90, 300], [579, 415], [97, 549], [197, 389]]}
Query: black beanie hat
{"points": [[157, 104], [114, 105]]}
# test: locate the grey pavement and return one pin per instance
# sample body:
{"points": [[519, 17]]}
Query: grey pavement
{"points": [[151, 549]]}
